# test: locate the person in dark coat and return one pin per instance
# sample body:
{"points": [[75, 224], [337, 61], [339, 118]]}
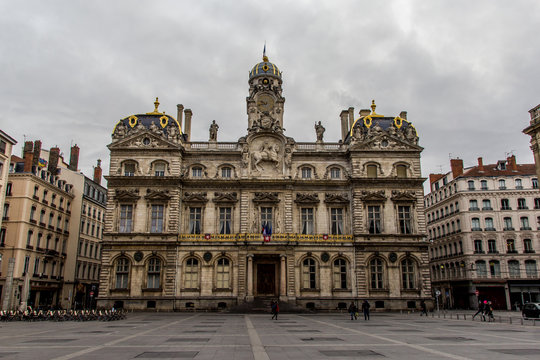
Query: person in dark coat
{"points": [[480, 309], [365, 309], [275, 309], [352, 311], [423, 307]]}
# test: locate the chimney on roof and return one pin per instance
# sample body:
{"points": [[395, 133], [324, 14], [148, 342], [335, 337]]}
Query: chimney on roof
{"points": [[37, 153], [98, 172], [365, 112], [344, 124], [28, 156], [187, 123], [351, 117], [511, 161], [74, 158], [457, 167], [480, 164], [433, 178], [54, 154], [180, 115]]}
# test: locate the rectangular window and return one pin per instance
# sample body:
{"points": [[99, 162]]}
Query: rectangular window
{"points": [[225, 220], [129, 170], [508, 223], [29, 238], [335, 173], [266, 217], [126, 218], [473, 205], [505, 204], [2, 237], [36, 266], [306, 173], [226, 172], [481, 270], [157, 219], [307, 221], [495, 268], [404, 215], [195, 214], [489, 224], [38, 242], [486, 204], [530, 268], [26, 264], [527, 246], [511, 246], [159, 169], [522, 204], [372, 171], [492, 246], [196, 172], [524, 223], [478, 246], [336, 219], [374, 219]]}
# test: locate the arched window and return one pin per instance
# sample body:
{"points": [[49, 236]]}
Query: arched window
{"points": [[530, 269], [340, 274], [495, 268], [407, 274], [371, 171], [306, 172], [401, 171], [154, 273], [191, 274], [223, 274], [376, 273], [481, 270], [483, 185], [122, 273], [335, 173], [226, 172], [309, 273], [502, 184]]}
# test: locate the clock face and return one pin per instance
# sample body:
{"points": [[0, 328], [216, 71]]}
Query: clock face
{"points": [[265, 102]]}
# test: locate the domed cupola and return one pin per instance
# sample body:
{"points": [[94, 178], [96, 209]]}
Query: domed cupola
{"points": [[265, 68], [157, 122]]}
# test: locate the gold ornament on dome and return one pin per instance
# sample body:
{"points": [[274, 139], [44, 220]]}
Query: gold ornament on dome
{"points": [[163, 121], [368, 121], [398, 122], [133, 120]]}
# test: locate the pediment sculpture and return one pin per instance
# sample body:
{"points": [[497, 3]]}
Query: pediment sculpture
{"points": [[307, 198], [336, 198], [127, 195], [195, 197], [223, 197], [373, 195], [271, 197], [403, 195]]}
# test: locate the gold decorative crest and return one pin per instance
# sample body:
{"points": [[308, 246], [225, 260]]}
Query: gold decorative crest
{"points": [[163, 121], [133, 120]]}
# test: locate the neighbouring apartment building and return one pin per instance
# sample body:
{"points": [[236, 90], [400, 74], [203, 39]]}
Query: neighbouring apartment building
{"points": [[41, 228], [212, 224], [483, 224]]}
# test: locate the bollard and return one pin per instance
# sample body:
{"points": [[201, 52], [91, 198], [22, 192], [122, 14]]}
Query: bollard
{"points": [[464, 316], [510, 320]]}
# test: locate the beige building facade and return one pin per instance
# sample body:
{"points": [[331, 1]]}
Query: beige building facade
{"points": [[483, 224], [230, 225]]}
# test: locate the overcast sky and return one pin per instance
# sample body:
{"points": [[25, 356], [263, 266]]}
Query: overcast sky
{"points": [[467, 72]]}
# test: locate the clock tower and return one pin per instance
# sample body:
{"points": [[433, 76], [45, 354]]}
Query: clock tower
{"points": [[265, 102]]}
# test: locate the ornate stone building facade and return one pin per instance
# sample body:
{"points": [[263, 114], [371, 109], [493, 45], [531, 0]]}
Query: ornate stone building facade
{"points": [[533, 130], [210, 225]]}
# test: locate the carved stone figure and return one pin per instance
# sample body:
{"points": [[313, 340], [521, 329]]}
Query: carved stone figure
{"points": [[410, 135], [213, 131], [173, 133], [120, 132], [288, 157], [268, 152], [154, 128], [245, 156], [319, 130]]}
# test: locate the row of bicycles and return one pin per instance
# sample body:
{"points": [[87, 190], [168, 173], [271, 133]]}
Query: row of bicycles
{"points": [[63, 315]]}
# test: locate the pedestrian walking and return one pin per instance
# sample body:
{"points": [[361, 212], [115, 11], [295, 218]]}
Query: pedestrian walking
{"points": [[480, 309], [353, 311], [365, 309], [489, 312], [275, 309], [423, 307]]}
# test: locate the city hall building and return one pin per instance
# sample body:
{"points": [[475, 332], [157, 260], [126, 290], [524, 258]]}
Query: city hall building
{"points": [[231, 225]]}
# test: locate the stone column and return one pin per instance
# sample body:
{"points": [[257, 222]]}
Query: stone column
{"points": [[283, 278], [249, 296]]}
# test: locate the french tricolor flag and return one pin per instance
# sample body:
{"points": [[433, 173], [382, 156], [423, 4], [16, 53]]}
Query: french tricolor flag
{"points": [[267, 232]]}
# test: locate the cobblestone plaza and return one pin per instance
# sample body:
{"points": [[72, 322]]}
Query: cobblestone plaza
{"points": [[255, 336]]}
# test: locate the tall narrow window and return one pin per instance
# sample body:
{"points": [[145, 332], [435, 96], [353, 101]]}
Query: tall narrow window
{"points": [[196, 172], [340, 274], [534, 183], [530, 269], [306, 173], [371, 171], [505, 204], [374, 219], [336, 220], [489, 224], [495, 268], [122, 273], [335, 173], [191, 275], [407, 274], [5, 215], [492, 246], [481, 270], [157, 219], [376, 273], [26, 264], [513, 268], [404, 214], [29, 238], [527, 246], [524, 221], [266, 217], [502, 184], [470, 184], [36, 266], [522, 204], [195, 214], [508, 223], [486, 204], [309, 273], [478, 247], [154, 273], [511, 246], [126, 218], [473, 205], [483, 185], [225, 220], [307, 220], [223, 274], [519, 185], [475, 223], [32, 213]]}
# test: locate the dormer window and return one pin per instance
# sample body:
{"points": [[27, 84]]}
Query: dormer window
{"points": [[129, 169], [226, 172], [306, 173], [501, 165], [196, 172]]}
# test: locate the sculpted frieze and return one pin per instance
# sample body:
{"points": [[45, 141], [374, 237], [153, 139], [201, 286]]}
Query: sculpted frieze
{"points": [[377, 195], [336, 198], [195, 197], [307, 198], [403, 195], [156, 195], [271, 197], [222, 197], [127, 195]]}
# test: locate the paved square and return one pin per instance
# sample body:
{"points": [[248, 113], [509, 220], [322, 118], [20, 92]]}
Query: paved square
{"points": [[256, 336]]}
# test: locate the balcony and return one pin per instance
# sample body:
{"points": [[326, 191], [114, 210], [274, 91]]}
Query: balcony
{"points": [[490, 229], [42, 224], [29, 247], [51, 227], [506, 208], [512, 252], [53, 205], [519, 187], [35, 197], [508, 229], [257, 238], [529, 251], [523, 208], [479, 251], [525, 228], [61, 208], [45, 202], [33, 221], [493, 252], [487, 208], [476, 229], [502, 187], [474, 208]]}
